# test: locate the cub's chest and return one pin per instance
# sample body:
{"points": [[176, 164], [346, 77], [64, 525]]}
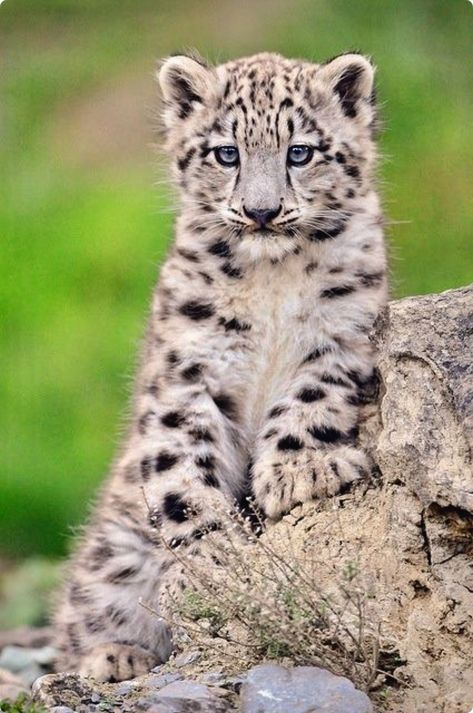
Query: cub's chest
{"points": [[277, 303]]}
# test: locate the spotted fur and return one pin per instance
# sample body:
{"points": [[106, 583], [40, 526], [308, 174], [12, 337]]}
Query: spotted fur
{"points": [[257, 357]]}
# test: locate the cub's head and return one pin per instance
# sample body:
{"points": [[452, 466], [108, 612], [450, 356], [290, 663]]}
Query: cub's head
{"points": [[273, 151]]}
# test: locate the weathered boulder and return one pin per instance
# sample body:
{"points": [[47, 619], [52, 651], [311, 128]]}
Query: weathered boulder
{"points": [[426, 363]]}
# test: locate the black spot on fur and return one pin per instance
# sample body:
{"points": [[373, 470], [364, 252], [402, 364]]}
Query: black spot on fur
{"points": [[206, 461], [211, 480], [338, 291], [370, 279], [231, 270], [121, 575], [334, 380], [145, 420], [220, 248], [146, 468], [193, 372], [340, 157], [290, 443], [197, 310], [226, 405], [99, 555], [310, 267], [175, 508], [277, 411], [206, 277], [93, 625], [311, 394], [201, 435], [116, 616], [323, 146], [188, 255], [352, 171], [173, 419], [165, 461], [327, 233], [173, 358], [234, 324], [184, 162], [316, 354], [326, 434], [73, 638]]}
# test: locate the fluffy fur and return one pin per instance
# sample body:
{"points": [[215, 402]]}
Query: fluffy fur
{"points": [[257, 355]]}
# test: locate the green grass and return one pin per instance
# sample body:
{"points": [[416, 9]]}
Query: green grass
{"points": [[83, 227], [22, 704]]}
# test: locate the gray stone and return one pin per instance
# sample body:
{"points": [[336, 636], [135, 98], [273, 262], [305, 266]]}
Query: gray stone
{"points": [[425, 359], [44, 656], [27, 663], [185, 659], [125, 688], [16, 658], [184, 697], [61, 709], [158, 681], [270, 688]]}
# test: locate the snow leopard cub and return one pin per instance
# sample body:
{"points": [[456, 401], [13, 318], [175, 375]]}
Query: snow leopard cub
{"points": [[257, 355]]}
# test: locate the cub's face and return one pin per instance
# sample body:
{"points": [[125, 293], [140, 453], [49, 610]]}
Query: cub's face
{"points": [[274, 151]]}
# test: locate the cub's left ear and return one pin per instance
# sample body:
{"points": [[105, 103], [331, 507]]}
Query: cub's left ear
{"points": [[186, 83], [351, 77]]}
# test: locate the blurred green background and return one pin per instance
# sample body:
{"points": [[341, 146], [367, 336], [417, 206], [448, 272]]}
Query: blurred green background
{"points": [[85, 218]]}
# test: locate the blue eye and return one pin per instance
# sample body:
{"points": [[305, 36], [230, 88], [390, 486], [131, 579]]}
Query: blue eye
{"points": [[299, 155], [227, 155]]}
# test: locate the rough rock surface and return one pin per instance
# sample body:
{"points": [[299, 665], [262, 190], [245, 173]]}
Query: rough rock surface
{"points": [[303, 689], [152, 693]]}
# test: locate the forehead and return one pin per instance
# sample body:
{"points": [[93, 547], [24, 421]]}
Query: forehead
{"points": [[261, 98]]}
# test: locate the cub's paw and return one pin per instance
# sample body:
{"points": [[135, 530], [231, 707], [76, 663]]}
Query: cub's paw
{"points": [[287, 478], [117, 662]]}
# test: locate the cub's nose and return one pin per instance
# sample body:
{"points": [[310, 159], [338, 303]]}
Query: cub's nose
{"points": [[262, 216]]}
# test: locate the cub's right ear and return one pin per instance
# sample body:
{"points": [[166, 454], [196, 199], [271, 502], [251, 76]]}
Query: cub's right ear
{"points": [[186, 83]]}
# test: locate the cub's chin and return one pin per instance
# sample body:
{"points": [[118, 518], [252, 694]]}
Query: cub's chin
{"points": [[266, 245]]}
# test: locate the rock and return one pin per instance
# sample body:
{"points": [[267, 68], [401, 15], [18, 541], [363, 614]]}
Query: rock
{"points": [[158, 681], [165, 694], [27, 663], [186, 658], [304, 689], [63, 689], [184, 697], [425, 360]]}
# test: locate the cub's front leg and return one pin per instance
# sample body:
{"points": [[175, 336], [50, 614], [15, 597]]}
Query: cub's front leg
{"points": [[306, 449]]}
